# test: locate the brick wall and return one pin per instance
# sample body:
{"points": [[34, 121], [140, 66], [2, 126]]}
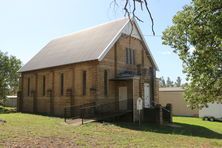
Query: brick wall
{"points": [[72, 80], [114, 62]]}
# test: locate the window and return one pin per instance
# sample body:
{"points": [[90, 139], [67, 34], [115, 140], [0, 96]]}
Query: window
{"points": [[134, 62], [105, 83], [28, 87], [130, 56], [126, 55], [43, 86], [62, 84], [84, 83]]}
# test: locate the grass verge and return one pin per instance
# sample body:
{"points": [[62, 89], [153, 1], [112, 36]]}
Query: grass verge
{"points": [[34, 130]]}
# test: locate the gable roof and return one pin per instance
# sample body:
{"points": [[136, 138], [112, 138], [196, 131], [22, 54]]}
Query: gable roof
{"points": [[86, 45]]}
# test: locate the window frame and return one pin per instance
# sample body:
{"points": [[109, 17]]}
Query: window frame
{"points": [[62, 84], [130, 56], [84, 75], [127, 56], [28, 90], [134, 58], [106, 83], [43, 85]]}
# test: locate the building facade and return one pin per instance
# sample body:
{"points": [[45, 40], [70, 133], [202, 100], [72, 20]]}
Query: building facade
{"points": [[122, 69]]}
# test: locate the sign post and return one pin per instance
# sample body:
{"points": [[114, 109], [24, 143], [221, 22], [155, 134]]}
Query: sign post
{"points": [[139, 105]]}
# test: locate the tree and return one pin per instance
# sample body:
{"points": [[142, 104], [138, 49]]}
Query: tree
{"points": [[162, 82], [9, 65], [130, 8], [198, 26], [178, 82], [169, 83]]}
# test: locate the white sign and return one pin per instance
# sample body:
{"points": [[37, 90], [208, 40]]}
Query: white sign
{"points": [[139, 104]]}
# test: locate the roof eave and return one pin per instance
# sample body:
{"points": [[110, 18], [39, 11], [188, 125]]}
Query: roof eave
{"points": [[44, 68], [110, 45], [147, 47]]}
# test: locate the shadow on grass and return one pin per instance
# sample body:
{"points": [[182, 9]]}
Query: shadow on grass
{"points": [[178, 129]]}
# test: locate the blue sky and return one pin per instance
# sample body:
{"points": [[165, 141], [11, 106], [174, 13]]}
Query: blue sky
{"points": [[28, 25]]}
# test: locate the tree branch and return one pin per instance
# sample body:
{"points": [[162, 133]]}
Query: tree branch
{"points": [[151, 18]]}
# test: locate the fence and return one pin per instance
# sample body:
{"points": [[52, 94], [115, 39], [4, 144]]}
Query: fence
{"points": [[158, 114], [99, 111], [11, 101]]}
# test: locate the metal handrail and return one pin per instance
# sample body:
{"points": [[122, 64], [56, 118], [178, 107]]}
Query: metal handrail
{"points": [[166, 109], [79, 105], [98, 110], [161, 106]]}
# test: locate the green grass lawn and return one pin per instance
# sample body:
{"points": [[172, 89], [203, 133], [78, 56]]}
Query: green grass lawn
{"points": [[34, 130]]}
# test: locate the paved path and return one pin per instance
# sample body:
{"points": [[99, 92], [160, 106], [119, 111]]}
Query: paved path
{"points": [[78, 121]]}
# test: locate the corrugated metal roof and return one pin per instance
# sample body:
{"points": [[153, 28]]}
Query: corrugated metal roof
{"points": [[81, 46], [86, 45], [171, 89]]}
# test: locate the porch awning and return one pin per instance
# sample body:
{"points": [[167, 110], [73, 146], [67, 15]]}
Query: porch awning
{"points": [[124, 78]]}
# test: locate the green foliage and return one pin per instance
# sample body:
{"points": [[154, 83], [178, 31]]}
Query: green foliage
{"points": [[178, 82], [199, 27], [170, 83], [9, 65], [162, 82], [7, 109]]}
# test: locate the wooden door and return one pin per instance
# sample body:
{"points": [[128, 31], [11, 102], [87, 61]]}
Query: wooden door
{"points": [[122, 98], [146, 95]]}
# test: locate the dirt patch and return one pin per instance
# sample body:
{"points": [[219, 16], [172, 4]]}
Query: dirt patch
{"points": [[2, 121], [41, 142], [78, 122]]}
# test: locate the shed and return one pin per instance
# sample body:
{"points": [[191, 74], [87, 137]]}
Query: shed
{"points": [[175, 96]]}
